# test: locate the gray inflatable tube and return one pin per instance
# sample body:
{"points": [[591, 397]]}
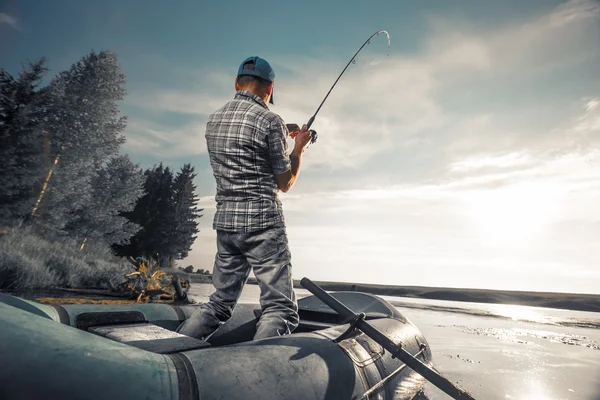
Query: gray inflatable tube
{"points": [[131, 352]]}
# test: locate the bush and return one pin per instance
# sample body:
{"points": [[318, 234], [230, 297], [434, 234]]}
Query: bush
{"points": [[28, 261], [19, 271], [201, 271]]}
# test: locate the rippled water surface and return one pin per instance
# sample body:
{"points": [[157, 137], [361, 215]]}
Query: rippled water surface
{"points": [[498, 351]]}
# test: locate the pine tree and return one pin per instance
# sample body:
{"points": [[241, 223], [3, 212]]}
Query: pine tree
{"points": [[153, 212], [167, 213], [186, 212], [22, 107], [85, 130], [163, 220]]}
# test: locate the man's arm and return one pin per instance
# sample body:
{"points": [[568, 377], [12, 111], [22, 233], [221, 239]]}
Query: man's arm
{"points": [[286, 180]]}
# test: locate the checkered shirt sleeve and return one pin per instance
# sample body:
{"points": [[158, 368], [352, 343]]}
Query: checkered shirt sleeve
{"points": [[278, 148]]}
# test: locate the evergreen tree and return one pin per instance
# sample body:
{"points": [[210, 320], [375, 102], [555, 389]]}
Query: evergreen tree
{"points": [[116, 187], [185, 222], [153, 212], [167, 213], [164, 219], [86, 130], [22, 167]]}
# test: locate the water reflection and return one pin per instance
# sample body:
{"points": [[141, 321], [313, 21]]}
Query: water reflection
{"points": [[515, 358], [537, 391], [519, 313]]}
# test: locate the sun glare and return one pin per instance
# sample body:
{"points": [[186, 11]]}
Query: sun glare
{"points": [[518, 313], [537, 391], [514, 215]]}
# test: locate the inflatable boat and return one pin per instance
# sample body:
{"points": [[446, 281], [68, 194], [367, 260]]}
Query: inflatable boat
{"points": [[131, 351]]}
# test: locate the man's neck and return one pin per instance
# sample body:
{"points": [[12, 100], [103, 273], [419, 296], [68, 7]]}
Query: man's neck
{"points": [[254, 91]]}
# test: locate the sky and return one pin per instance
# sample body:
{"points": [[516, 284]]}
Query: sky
{"points": [[465, 155]]}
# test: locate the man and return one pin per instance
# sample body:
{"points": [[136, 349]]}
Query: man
{"points": [[249, 157]]}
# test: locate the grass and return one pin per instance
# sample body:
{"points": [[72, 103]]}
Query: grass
{"points": [[28, 261]]}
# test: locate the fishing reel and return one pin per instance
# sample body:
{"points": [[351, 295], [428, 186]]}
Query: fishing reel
{"points": [[313, 133]]}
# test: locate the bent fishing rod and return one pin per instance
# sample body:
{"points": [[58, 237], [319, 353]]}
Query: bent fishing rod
{"points": [[313, 133]]}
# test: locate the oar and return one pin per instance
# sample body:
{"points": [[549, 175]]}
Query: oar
{"points": [[395, 349]]}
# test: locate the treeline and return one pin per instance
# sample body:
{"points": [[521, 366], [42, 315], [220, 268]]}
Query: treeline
{"points": [[167, 214], [62, 172], [190, 270]]}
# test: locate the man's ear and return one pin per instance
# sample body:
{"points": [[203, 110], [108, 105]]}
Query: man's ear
{"points": [[270, 88], [237, 86]]}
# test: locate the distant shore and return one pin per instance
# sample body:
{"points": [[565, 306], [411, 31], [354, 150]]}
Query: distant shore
{"points": [[200, 278], [567, 301]]}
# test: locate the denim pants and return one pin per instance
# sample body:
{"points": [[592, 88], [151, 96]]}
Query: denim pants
{"points": [[266, 253]]}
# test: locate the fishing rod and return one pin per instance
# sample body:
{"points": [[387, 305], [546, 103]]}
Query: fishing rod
{"points": [[313, 133]]}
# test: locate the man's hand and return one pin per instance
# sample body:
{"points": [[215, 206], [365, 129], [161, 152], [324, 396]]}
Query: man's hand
{"points": [[294, 129], [302, 139]]}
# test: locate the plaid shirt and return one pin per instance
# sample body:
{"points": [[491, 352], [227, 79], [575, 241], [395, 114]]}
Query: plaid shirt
{"points": [[246, 146]]}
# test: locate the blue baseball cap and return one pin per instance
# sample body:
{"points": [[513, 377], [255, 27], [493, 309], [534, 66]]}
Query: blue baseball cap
{"points": [[262, 69]]}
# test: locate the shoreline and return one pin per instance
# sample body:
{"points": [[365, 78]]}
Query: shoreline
{"points": [[565, 301]]}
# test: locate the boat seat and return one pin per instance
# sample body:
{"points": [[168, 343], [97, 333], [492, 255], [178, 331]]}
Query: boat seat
{"points": [[149, 337]]}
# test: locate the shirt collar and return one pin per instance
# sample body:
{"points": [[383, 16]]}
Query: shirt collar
{"points": [[247, 95]]}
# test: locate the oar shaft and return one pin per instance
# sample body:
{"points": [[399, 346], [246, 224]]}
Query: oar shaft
{"points": [[442, 383]]}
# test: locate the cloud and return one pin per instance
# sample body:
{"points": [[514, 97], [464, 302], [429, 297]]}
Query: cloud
{"points": [[491, 220], [498, 161], [197, 103], [585, 132], [568, 174], [592, 104], [409, 102], [564, 36], [564, 177], [562, 182], [460, 162], [9, 20], [207, 203], [144, 137], [374, 109]]}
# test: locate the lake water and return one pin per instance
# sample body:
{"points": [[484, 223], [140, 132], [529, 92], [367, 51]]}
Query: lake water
{"points": [[498, 351]]}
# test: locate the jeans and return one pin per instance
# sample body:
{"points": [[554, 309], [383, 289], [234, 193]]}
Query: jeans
{"points": [[266, 253]]}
